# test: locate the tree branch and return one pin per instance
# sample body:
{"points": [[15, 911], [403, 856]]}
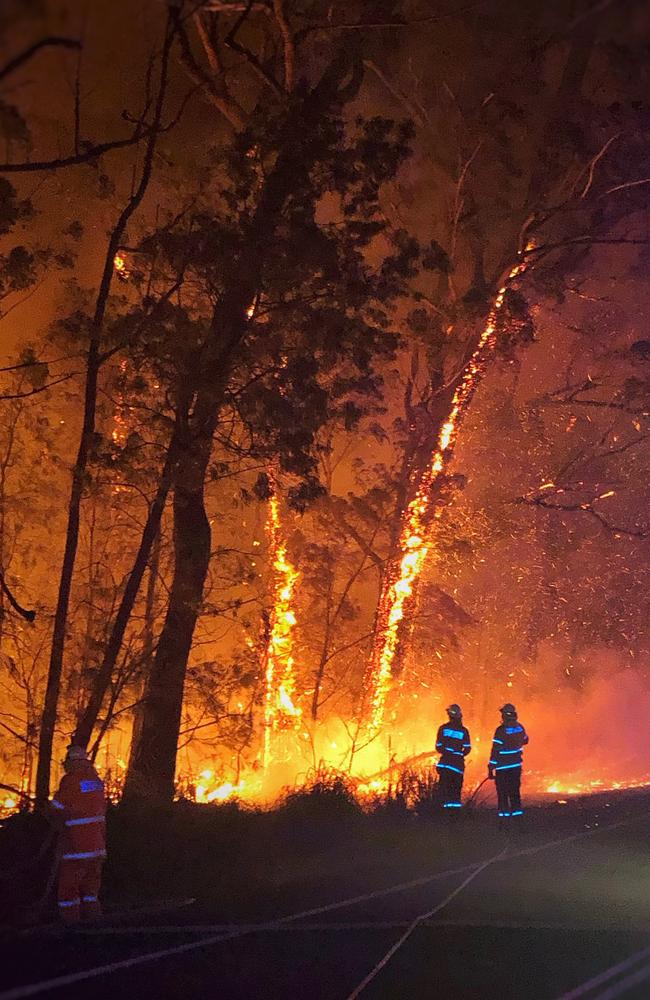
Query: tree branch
{"points": [[288, 43], [50, 41], [628, 184], [382, 25], [89, 154], [222, 102], [582, 508], [29, 616], [34, 392], [250, 57]]}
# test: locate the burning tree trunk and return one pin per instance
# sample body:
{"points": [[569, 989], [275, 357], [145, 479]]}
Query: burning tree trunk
{"points": [[401, 578], [279, 678], [398, 591], [80, 468]]}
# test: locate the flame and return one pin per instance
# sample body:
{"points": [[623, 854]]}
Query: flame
{"points": [[577, 787], [120, 265], [414, 543], [280, 711], [286, 704], [120, 430]]}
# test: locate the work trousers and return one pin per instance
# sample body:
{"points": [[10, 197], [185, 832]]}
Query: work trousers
{"points": [[509, 792], [79, 883], [451, 786]]}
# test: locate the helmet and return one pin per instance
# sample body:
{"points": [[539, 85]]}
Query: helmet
{"points": [[74, 753], [509, 710], [454, 712]]}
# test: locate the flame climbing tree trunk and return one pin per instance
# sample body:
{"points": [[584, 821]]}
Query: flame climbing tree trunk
{"points": [[80, 468], [413, 526]]}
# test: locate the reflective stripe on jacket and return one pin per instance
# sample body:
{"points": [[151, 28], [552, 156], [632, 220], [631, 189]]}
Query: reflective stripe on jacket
{"points": [[507, 746], [82, 800], [453, 744]]}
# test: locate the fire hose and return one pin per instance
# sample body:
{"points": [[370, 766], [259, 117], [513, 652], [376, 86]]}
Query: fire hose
{"points": [[10, 875], [237, 931], [420, 919], [53, 837]]}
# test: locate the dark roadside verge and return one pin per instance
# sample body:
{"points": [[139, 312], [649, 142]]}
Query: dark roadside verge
{"points": [[243, 864]]}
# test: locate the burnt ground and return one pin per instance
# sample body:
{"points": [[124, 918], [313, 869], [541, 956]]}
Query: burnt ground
{"points": [[532, 925]]}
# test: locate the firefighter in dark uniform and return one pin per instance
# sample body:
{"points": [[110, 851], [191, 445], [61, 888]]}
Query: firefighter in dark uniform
{"points": [[453, 744], [506, 762]]}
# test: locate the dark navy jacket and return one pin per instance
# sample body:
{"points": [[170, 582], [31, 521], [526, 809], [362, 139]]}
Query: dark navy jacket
{"points": [[507, 746], [453, 744]]}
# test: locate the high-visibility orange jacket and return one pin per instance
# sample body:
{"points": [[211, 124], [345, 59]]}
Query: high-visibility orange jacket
{"points": [[82, 800]]}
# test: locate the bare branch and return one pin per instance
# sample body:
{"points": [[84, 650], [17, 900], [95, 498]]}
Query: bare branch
{"points": [[381, 25], [408, 105], [88, 155], [250, 57], [29, 616], [206, 42], [628, 184], [216, 94], [34, 392], [582, 508], [544, 248], [51, 41], [288, 44], [594, 163]]}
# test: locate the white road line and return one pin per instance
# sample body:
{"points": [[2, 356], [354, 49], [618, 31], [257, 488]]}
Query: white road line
{"points": [[33, 989], [427, 879], [383, 962], [623, 985], [604, 977]]}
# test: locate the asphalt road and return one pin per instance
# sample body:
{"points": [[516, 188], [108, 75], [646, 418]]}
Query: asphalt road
{"points": [[533, 925]]}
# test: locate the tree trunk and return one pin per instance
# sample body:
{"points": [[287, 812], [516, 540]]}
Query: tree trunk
{"points": [[55, 671], [574, 70], [153, 760], [48, 720], [149, 641], [150, 532]]}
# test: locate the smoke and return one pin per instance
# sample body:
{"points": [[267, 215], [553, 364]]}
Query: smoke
{"points": [[598, 731]]}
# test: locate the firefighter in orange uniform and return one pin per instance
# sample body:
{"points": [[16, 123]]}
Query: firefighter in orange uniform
{"points": [[81, 805]]}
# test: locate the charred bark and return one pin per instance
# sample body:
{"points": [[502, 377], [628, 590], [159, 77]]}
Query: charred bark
{"points": [[153, 762]]}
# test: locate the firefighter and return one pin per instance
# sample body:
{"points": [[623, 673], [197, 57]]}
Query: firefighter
{"points": [[505, 763], [453, 744], [80, 808]]}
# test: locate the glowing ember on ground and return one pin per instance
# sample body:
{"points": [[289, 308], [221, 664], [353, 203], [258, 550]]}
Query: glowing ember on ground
{"points": [[574, 787]]}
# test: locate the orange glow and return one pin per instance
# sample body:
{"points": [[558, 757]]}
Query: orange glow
{"points": [[415, 537], [120, 430], [577, 787], [227, 790], [120, 265], [280, 712]]}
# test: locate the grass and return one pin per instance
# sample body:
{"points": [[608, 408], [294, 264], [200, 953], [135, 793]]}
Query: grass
{"points": [[317, 845]]}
